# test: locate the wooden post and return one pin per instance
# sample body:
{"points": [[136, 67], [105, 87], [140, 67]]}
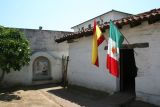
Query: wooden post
{"points": [[63, 68], [131, 46], [65, 72]]}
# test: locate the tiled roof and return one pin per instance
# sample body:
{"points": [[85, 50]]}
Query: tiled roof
{"points": [[151, 16], [102, 15]]}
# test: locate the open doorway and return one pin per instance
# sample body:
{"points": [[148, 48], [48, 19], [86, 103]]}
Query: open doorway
{"points": [[128, 70]]}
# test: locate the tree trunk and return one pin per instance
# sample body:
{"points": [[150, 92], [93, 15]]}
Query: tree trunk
{"points": [[2, 77]]}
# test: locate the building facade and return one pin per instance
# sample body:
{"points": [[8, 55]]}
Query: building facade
{"points": [[46, 59], [101, 19], [139, 64]]}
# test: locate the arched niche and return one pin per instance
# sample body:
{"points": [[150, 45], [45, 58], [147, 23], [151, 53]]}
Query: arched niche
{"points": [[41, 68], [54, 67]]}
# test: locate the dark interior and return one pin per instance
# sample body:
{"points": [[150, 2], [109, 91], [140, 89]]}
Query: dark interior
{"points": [[128, 70]]}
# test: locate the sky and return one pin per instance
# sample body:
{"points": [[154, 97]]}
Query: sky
{"points": [[61, 15]]}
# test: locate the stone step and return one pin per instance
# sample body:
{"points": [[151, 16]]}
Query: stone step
{"points": [[40, 82]]}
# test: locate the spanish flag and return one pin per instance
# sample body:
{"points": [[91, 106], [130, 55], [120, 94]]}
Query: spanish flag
{"points": [[98, 38]]}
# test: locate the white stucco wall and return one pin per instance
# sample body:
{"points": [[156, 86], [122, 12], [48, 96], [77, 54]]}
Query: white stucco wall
{"points": [[18, 77], [82, 72], [147, 61], [44, 40], [42, 43]]}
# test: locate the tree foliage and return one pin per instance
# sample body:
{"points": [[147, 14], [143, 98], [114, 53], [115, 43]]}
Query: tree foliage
{"points": [[14, 50]]}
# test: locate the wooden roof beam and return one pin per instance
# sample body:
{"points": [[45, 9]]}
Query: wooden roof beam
{"points": [[132, 46]]}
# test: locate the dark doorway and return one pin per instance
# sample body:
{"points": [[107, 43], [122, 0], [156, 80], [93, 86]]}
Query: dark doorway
{"points": [[128, 70]]}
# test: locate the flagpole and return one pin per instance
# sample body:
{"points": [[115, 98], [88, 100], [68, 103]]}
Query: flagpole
{"points": [[128, 43], [126, 40]]}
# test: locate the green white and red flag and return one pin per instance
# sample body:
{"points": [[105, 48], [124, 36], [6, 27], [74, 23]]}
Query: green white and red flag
{"points": [[114, 43]]}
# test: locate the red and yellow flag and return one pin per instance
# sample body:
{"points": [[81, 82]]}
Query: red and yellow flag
{"points": [[98, 38]]}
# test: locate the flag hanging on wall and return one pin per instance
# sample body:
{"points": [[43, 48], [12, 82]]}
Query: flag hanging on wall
{"points": [[114, 43], [98, 38]]}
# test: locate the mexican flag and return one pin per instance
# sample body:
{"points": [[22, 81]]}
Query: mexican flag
{"points": [[114, 43], [98, 38]]}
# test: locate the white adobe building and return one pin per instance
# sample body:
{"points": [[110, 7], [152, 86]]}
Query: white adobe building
{"points": [[47, 51], [45, 65], [113, 14], [138, 29]]}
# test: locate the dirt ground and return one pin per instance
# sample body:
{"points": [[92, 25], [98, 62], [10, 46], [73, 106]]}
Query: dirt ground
{"points": [[25, 98], [46, 96], [57, 96]]}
